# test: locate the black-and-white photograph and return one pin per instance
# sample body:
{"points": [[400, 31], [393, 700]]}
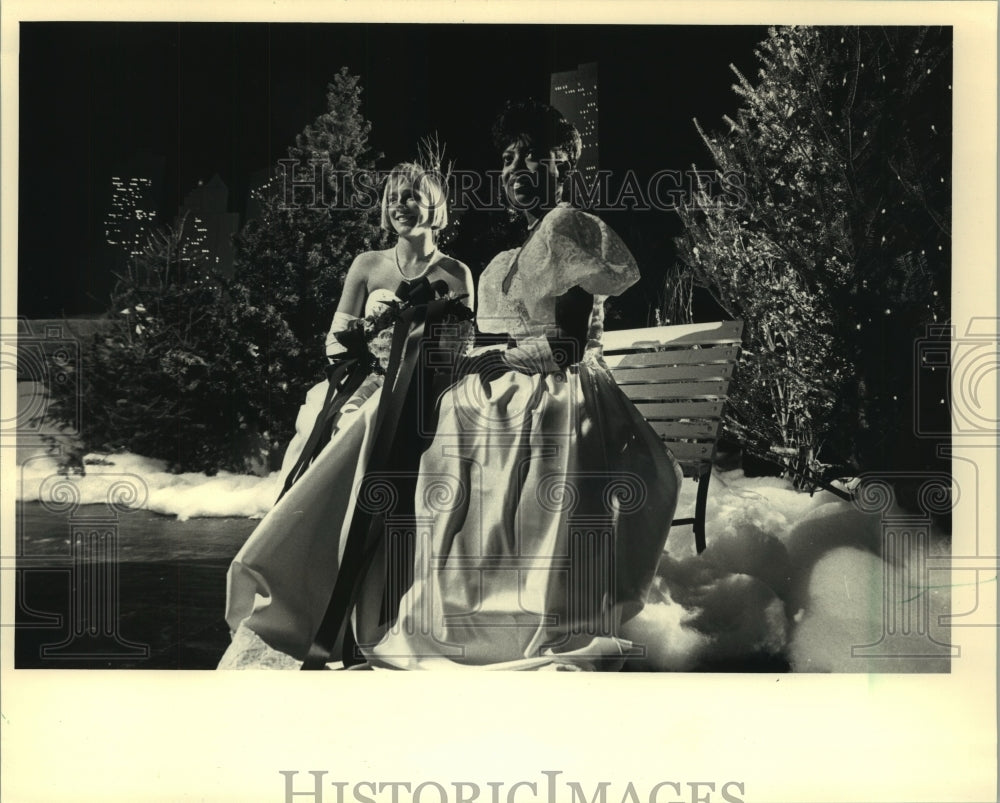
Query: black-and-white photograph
{"points": [[494, 345], [551, 346]]}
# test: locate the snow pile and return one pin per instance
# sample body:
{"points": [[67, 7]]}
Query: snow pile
{"points": [[141, 482], [789, 577]]}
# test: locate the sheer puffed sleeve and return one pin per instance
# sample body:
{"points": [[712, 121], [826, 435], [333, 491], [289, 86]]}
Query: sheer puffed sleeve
{"points": [[574, 249], [520, 291]]}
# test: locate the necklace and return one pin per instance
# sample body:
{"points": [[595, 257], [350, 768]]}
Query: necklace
{"points": [[429, 258]]}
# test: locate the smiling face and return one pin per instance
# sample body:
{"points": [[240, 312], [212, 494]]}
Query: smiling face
{"points": [[403, 208], [532, 175], [413, 200]]}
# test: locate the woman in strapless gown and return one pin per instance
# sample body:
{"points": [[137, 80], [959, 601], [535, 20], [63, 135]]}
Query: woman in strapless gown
{"points": [[280, 582], [544, 499]]}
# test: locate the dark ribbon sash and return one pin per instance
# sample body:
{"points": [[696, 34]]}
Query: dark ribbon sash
{"points": [[345, 378], [366, 536]]}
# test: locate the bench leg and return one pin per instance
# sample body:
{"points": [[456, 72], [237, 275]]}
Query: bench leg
{"points": [[699, 511]]}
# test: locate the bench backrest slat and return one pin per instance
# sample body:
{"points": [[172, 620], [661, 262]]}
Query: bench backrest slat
{"points": [[684, 355], [626, 374], [692, 334], [713, 389], [664, 410], [700, 429]]}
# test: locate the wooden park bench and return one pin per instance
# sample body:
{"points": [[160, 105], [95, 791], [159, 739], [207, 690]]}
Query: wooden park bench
{"points": [[678, 378]]}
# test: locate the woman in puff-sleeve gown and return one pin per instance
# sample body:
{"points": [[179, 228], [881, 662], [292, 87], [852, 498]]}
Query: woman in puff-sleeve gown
{"points": [[544, 500]]}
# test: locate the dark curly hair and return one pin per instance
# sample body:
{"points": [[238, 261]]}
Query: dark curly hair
{"points": [[544, 125]]}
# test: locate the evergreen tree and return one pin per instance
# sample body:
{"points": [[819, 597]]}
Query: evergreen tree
{"points": [[291, 261], [837, 253], [173, 375]]}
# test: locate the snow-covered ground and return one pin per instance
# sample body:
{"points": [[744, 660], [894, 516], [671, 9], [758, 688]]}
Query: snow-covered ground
{"points": [[786, 576]]}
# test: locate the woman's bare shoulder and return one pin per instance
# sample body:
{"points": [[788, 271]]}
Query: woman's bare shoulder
{"points": [[372, 258], [369, 263], [454, 267]]}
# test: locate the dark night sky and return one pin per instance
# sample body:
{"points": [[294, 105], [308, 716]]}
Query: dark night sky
{"points": [[229, 98]]}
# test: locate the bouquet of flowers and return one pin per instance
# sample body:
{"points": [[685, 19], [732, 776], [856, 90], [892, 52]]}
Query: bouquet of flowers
{"points": [[359, 334]]}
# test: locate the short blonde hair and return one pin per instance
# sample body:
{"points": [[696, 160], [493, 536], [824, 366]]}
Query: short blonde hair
{"points": [[427, 188]]}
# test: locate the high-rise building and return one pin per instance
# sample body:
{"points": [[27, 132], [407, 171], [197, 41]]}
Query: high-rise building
{"points": [[132, 213], [209, 227], [574, 94], [137, 183]]}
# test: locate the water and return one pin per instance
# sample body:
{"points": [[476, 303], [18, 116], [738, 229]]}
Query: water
{"points": [[143, 592]]}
